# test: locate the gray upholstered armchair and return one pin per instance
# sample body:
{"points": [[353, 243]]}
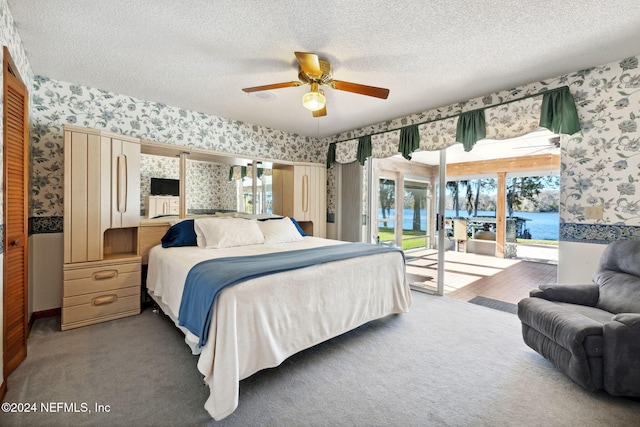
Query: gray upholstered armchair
{"points": [[592, 332]]}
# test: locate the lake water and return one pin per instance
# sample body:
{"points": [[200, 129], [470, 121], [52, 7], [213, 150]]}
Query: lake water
{"points": [[541, 225]]}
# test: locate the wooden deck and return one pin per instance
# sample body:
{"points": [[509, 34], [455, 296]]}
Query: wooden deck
{"points": [[469, 275]]}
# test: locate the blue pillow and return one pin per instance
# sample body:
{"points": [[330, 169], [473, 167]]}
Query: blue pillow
{"points": [[302, 233], [180, 234]]}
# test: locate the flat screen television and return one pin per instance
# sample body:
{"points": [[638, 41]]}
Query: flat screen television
{"points": [[165, 187]]}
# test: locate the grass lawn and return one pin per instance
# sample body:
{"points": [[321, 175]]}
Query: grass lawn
{"points": [[419, 240], [538, 242]]}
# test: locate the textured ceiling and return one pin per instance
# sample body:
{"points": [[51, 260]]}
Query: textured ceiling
{"points": [[199, 54]]}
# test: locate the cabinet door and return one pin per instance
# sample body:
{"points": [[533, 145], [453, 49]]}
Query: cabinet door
{"points": [[82, 197], [318, 200], [125, 183], [301, 196], [300, 192]]}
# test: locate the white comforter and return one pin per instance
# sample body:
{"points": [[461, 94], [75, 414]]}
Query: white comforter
{"points": [[257, 324]]}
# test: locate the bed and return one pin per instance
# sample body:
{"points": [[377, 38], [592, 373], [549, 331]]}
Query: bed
{"points": [[259, 322]]}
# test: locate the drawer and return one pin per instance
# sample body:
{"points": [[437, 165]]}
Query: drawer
{"points": [[101, 278], [100, 306], [175, 202]]}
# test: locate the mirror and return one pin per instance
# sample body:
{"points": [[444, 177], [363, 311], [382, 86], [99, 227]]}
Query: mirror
{"points": [[213, 182]]}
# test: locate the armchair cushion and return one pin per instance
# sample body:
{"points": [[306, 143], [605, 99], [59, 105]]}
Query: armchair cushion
{"points": [[577, 333], [574, 294], [619, 292], [621, 350], [618, 277]]}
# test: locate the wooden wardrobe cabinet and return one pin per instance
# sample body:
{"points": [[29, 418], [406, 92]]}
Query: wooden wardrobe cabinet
{"points": [[102, 268], [300, 192]]}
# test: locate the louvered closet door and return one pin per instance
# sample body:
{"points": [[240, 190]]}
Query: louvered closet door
{"points": [[15, 220]]}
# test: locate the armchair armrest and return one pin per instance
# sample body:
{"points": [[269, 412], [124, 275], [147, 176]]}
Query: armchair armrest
{"points": [[573, 294], [621, 355]]}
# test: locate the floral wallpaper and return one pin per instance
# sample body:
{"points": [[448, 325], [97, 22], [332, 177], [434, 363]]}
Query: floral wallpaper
{"points": [[56, 103], [209, 189], [599, 165]]}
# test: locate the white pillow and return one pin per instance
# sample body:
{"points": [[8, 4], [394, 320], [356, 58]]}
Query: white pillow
{"points": [[199, 233], [279, 231], [228, 232], [256, 216], [200, 239]]}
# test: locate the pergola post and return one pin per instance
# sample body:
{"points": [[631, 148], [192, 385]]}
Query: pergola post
{"points": [[501, 230]]}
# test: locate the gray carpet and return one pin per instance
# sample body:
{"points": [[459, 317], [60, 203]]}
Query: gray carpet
{"points": [[446, 363], [495, 304]]}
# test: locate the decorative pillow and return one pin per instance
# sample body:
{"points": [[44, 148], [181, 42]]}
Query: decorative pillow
{"points": [[259, 217], [229, 232], [202, 243], [279, 231], [182, 233], [298, 227], [302, 233]]}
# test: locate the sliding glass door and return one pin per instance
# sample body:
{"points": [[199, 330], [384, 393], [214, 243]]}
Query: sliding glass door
{"points": [[415, 210], [387, 213], [407, 208]]}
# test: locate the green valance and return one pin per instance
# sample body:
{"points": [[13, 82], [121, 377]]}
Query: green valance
{"points": [[558, 112], [243, 172], [471, 128], [409, 140], [331, 155], [364, 149]]}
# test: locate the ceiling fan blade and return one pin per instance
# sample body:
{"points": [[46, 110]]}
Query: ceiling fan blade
{"points": [[533, 146], [321, 112], [377, 92], [273, 86], [309, 63]]}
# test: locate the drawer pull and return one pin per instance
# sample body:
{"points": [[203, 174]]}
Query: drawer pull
{"points": [[104, 300], [105, 274]]}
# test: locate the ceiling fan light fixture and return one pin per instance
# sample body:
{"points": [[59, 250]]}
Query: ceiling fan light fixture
{"points": [[314, 100]]}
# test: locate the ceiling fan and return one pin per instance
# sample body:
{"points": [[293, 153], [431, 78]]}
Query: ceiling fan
{"points": [[317, 72], [553, 142]]}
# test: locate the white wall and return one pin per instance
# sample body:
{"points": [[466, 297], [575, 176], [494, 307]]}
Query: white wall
{"points": [[578, 260], [46, 259]]}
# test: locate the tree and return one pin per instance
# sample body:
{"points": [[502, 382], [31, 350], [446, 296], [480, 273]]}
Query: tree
{"points": [[387, 192], [418, 196], [452, 186], [483, 185], [524, 188]]}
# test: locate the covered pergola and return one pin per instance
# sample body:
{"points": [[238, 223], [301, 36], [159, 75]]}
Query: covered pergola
{"points": [[534, 165]]}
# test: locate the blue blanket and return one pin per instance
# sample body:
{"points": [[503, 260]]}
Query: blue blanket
{"points": [[208, 278]]}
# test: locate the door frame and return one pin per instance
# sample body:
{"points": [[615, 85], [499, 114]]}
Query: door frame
{"points": [[398, 168], [11, 76]]}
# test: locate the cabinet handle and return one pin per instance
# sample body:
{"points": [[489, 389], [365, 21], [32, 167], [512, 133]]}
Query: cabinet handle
{"points": [[104, 275], [104, 300], [305, 193], [122, 183]]}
